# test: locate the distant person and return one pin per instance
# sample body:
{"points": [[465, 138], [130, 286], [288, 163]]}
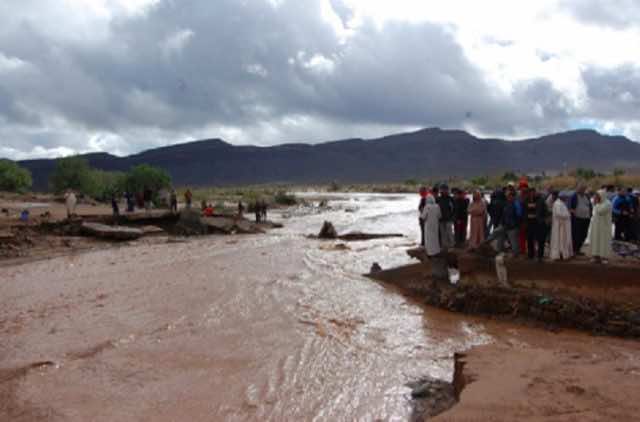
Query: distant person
{"points": [[115, 208], [148, 197], [580, 208], [188, 196], [461, 217], [496, 206], [140, 199], [510, 224], [621, 214], [634, 214], [130, 202], [445, 202], [478, 212], [431, 215], [523, 189], [423, 201], [70, 201], [208, 210], [535, 211], [257, 211], [561, 241], [600, 235], [173, 201], [240, 209], [263, 210]]}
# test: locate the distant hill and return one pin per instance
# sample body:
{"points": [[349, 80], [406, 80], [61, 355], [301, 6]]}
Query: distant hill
{"points": [[425, 153]]}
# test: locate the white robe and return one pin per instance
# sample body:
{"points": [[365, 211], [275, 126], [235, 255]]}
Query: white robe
{"points": [[561, 242], [431, 216], [600, 234], [71, 201]]}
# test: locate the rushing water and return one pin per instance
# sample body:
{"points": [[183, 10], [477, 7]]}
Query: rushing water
{"points": [[275, 327]]}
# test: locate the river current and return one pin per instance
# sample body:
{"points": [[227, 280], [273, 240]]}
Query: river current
{"points": [[274, 327]]}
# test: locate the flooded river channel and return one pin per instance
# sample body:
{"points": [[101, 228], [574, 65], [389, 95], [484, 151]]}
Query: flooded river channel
{"points": [[273, 327]]}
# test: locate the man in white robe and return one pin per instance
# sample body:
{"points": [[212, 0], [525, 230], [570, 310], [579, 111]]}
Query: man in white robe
{"points": [[70, 201], [561, 240], [600, 235], [431, 217]]}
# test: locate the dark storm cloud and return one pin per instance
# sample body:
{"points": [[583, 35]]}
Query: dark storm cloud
{"points": [[618, 14], [242, 64], [613, 93]]}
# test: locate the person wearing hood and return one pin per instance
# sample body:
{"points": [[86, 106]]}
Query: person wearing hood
{"points": [[561, 241], [461, 213], [496, 206], [447, 208], [478, 212], [600, 235], [431, 215]]}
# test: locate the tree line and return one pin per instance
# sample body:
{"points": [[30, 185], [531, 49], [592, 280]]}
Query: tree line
{"points": [[76, 174]]}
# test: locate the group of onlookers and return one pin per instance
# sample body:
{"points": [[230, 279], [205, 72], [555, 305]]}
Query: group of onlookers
{"points": [[529, 220]]}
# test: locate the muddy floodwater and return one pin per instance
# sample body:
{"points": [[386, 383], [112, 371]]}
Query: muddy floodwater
{"points": [[273, 327]]}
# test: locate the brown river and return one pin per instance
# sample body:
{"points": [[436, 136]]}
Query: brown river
{"points": [[275, 327]]}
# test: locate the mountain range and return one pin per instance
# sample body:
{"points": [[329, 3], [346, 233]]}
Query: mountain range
{"points": [[427, 153]]}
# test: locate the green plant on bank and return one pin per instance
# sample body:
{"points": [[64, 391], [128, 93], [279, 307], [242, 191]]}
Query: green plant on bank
{"points": [[14, 178], [284, 198]]}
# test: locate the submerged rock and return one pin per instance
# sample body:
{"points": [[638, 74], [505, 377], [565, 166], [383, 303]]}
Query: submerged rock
{"points": [[328, 231]]}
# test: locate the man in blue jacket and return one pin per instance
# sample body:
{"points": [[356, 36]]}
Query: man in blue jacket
{"points": [[511, 217], [621, 215]]}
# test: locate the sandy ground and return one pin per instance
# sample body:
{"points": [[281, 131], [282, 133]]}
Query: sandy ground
{"points": [[541, 376]]}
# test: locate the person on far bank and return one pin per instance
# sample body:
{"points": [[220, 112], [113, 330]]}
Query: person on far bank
{"points": [[561, 241], [536, 213], [461, 215], [621, 214], [188, 197], [495, 208], [600, 235], [71, 201], [173, 200], [510, 224], [634, 214], [447, 208], [431, 215], [115, 208], [580, 208], [423, 201], [478, 213]]}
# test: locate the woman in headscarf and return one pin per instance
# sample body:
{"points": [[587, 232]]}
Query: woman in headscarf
{"points": [[478, 212], [600, 235], [431, 217], [423, 201], [561, 240]]}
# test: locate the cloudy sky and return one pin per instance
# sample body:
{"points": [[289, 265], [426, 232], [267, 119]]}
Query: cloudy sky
{"points": [[126, 75]]}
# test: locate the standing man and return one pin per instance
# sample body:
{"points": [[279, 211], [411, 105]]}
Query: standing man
{"points": [[461, 214], [580, 208], [561, 243], [600, 236], [173, 199], [147, 194], [621, 215], [421, 205], [535, 209], [70, 201], [510, 223], [188, 196], [445, 202], [634, 214]]}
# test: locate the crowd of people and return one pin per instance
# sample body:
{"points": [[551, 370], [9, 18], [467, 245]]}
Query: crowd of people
{"points": [[528, 220]]}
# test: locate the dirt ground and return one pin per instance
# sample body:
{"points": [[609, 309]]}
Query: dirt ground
{"points": [[552, 377]]}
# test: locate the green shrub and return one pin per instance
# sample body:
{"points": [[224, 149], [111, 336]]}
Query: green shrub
{"points": [[283, 198], [14, 178]]}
